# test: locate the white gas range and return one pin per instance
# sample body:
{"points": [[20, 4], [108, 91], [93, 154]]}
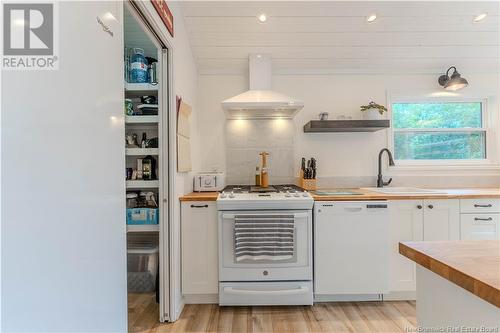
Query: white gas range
{"points": [[265, 245], [279, 197]]}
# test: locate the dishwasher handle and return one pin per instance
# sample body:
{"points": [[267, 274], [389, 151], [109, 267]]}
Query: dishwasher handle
{"points": [[353, 209]]}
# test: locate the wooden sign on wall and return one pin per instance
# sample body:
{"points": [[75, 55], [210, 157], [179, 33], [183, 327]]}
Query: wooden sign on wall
{"points": [[165, 14]]}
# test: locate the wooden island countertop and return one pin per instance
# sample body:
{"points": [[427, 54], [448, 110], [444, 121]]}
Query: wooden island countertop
{"points": [[364, 194], [471, 265]]}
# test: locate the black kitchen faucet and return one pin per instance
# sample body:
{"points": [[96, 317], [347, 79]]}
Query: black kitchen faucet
{"points": [[380, 180]]}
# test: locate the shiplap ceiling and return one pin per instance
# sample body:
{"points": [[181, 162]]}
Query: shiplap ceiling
{"points": [[334, 37]]}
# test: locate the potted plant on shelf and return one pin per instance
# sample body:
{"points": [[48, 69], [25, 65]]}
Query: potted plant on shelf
{"points": [[373, 111]]}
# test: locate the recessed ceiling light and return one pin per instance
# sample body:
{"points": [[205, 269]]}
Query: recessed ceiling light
{"points": [[371, 18], [480, 17], [262, 18]]}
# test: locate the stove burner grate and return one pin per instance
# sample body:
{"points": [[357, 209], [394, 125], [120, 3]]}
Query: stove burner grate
{"points": [[257, 189]]}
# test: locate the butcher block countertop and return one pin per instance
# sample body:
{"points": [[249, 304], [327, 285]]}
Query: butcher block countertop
{"points": [[200, 196], [364, 194], [471, 265]]}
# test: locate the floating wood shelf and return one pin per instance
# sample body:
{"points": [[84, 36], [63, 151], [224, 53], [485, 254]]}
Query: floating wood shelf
{"points": [[325, 126]]}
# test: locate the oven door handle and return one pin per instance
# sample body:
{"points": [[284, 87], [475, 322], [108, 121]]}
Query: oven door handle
{"points": [[232, 216], [297, 291]]}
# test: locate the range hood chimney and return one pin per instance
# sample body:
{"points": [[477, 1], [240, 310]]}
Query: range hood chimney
{"points": [[260, 102]]}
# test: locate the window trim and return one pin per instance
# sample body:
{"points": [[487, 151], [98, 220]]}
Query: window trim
{"points": [[449, 163]]}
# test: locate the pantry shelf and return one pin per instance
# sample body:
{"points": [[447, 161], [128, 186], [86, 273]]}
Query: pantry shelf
{"points": [[141, 119], [141, 151], [143, 228], [138, 184], [325, 126], [147, 87]]}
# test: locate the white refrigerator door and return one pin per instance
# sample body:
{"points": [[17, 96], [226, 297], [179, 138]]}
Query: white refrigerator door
{"points": [[63, 189]]}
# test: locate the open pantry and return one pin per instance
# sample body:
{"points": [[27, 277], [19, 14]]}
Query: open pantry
{"points": [[144, 112]]}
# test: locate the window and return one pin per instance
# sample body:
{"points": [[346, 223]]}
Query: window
{"points": [[439, 131]]}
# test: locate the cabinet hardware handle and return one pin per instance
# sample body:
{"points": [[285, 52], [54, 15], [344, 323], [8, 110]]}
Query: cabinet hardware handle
{"points": [[430, 206], [485, 206], [199, 206], [481, 219], [419, 207]]}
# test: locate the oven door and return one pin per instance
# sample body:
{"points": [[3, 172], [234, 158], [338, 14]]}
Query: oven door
{"points": [[295, 266]]}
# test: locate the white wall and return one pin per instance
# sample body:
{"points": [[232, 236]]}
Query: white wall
{"points": [[185, 84], [344, 159]]}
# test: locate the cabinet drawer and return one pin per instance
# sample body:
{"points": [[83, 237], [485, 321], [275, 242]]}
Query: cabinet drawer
{"points": [[479, 226], [490, 205]]}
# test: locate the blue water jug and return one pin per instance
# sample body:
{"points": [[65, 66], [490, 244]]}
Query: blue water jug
{"points": [[138, 67]]}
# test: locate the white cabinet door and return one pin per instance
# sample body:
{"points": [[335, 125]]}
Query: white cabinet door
{"points": [[441, 220], [407, 224], [199, 247], [479, 226]]}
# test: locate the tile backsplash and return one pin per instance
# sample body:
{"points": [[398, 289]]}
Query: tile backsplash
{"points": [[245, 139]]}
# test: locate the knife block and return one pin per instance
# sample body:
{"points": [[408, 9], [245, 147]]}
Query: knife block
{"points": [[307, 184]]}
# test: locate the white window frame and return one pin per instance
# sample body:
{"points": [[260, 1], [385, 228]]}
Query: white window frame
{"points": [[450, 163]]}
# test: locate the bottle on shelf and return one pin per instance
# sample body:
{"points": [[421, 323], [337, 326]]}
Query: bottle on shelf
{"points": [[144, 140], [257, 176], [138, 67], [139, 169], [264, 176], [148, 168]]}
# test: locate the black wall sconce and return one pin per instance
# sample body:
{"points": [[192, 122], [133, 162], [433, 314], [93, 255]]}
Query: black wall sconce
{"points": [[453, 82]]}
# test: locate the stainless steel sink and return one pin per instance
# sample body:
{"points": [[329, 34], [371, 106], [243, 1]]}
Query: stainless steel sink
{"points": [[402, 190]]}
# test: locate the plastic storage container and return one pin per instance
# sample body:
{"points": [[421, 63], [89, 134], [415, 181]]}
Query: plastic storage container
{"points": [[142, 268], [138, 67], [142, 216]]}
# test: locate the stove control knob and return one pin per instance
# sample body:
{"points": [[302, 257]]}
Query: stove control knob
{"points": [[231, 195], [296, 195], [287, 194], [305, 194], [223, 195]]}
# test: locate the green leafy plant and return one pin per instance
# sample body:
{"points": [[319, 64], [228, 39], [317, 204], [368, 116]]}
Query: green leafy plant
{"points": [[372, 105]]}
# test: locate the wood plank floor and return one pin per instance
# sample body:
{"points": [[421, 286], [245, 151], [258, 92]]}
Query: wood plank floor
{"points": [[323, 317]]}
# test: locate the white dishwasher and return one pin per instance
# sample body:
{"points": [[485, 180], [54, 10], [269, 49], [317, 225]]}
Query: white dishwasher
{"points": [[351, 250]]}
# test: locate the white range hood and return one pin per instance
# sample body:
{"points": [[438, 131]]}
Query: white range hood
{"points": [[260, 102]]}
